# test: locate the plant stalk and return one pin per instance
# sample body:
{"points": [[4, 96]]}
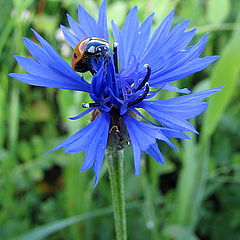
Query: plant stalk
{"points": [[115, 169]]}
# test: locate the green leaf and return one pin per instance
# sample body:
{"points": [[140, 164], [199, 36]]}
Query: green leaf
{"points": [[225, 73], [118, 11], [45, 23], [178, 233], [44, 231], [218, 10], [162, 8], [38, 111]]}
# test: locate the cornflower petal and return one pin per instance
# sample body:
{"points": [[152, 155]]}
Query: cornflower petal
{"points": [[49, 69], [87, 26], [43, 82], [77, 29], [169, 42], [167, 51], [173, 88], [128, 41], [191, 67], [155, 153], [92, 139], [143, 138], [87, 22], [181, 57], [160, 34], [102, 21], [191, 97], [70, 38], [143, 37], [182, 111], [174, 112]]}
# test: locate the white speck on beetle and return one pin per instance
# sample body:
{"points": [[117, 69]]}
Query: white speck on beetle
{"points": [[92, 49]]}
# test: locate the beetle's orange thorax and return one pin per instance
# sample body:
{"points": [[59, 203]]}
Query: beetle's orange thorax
{"points": [[78, 52]]}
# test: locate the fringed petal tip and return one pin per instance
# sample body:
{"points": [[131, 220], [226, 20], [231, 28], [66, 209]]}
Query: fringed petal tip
{"points": [[95, 181], [214, 58], [171, 13], [219, 89], [92, 139], [137, 174], [143, 139], [11, 75]]}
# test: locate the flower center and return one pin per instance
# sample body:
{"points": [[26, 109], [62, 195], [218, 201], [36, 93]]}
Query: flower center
{"points": [[113, 90]]}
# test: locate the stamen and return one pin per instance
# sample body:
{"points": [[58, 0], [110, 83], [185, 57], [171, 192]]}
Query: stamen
{"points": [[146, 78], [141, 97], [88, 105], [115, 56]]}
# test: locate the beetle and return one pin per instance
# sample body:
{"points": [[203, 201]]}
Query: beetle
{"points": [[87, 49]]}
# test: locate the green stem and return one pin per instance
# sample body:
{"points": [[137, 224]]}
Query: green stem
{"points": [[115, 169]]}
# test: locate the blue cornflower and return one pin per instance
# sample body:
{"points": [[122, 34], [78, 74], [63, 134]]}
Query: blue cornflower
{"points": [[121, 84]]}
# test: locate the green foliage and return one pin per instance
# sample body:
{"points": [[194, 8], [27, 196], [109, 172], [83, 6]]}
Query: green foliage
{"points": [[225, 73], [196, 196], [213, 13]]}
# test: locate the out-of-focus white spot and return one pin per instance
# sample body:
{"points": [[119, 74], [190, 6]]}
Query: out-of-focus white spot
{"points": [[59, 35], [25, 15], [13, 12], [65, 49], [150, 224]]}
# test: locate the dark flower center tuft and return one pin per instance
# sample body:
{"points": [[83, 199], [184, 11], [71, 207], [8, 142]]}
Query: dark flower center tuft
{"points": [[118, 137]]}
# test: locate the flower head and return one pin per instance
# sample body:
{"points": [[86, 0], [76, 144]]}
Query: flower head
{"points": [[121, 84]]}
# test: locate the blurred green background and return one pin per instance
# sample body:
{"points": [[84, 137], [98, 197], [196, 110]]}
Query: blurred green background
{"points": [[195, 196]]}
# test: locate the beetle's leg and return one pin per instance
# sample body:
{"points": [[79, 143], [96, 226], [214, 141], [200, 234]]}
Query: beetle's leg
{"points": [[92, 70], [106, 61], [90, 67]]}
